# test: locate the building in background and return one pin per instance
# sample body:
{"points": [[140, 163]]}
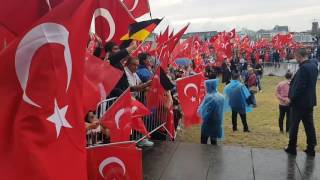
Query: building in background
{"points": [[315, 28], [268, 34], [305, 38]]}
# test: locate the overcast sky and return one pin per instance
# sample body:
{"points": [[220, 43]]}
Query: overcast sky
{"points": [[206, 15]]}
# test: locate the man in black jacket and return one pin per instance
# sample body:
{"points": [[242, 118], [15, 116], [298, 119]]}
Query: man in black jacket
{"points": [[117, 58], [302, 95]]}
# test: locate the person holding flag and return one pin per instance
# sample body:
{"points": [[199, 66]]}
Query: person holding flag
{"points": [[211, 112]]}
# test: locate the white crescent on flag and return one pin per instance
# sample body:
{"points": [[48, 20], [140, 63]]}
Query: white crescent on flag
{"points": [[111, 160], [108, 17], [136, 2], [190, 85], [117, 117], [37, 37]]}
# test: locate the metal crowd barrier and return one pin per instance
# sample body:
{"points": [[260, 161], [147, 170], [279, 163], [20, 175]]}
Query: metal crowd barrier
{"points": [[280, 69], [155, 122]]}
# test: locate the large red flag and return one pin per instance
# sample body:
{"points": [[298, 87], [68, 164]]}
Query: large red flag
{"points": [[42, 126], [139, 111], [92, 95], [17, 16], [167, 48], [137, 7], [189, 96], [115, 162], [142, 48], [98, 84], [112, 20], [118, 118], [99, 72], [184, 50], [155, 92], [163, 37], [170, 124]]}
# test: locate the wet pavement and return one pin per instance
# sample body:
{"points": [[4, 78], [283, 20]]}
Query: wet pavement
{"points": [[183, 161]]}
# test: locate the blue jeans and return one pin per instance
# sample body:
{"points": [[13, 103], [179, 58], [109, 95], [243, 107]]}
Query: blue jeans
{"points": [[259, 82]]}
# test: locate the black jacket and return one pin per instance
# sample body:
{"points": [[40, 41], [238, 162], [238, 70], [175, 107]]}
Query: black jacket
{"points": [[302, 92], [123, 84]]}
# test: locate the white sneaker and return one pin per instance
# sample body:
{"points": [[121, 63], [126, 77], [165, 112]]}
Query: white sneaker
{"points": [[145, 143]]}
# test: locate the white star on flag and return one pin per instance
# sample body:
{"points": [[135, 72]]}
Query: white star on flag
{"points": [[59, 118], [193, 99]]}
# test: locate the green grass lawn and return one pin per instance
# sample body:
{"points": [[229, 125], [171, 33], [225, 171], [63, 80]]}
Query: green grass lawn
{"points": [[263, 123]]}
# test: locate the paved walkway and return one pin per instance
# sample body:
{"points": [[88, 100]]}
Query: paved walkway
{"points": [[183, 161]]}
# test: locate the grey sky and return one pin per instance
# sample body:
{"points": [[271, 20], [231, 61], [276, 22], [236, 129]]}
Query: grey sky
{"points": [[205, 15]]}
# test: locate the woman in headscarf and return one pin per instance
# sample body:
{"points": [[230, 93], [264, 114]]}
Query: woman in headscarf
{"points": [[211, 111]]}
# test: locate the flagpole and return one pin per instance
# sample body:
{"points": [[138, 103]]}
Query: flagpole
{"points": [[150, 10], [49, 5]]}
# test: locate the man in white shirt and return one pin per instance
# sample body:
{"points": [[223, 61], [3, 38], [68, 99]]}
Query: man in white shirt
{"points": [[134, 81], [136, 86]]}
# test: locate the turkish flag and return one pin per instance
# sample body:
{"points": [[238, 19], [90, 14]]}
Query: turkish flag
{"points": [[232, 34], [163, 37], [184, 49], [112, 20], [137, 8], [99, 72], [167, 48], [97, 82], [118, 118], [155, 92], [17, 16], [189, 96], [91, 95], [41, 75], [170, 124], [139, 111], [115, 162], [142, 48]]}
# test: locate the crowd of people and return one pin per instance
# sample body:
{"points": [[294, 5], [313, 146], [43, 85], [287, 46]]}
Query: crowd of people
{"points": [[296, 95], [242, 79]]}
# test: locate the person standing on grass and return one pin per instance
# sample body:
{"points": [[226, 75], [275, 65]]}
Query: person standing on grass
{"points": [[238, 101], [302, 99], [259, 72], [282, 93], [211, 112], [251, 83]]}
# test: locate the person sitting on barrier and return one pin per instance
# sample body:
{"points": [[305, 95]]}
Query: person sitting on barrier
{"points": [[237, 95], [91, 121], [211, 112], [282, 93]]}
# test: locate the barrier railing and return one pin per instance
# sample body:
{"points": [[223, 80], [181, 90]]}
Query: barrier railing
{"points": [[153, 123]]}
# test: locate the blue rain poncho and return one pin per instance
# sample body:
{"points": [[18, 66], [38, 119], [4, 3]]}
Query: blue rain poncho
{"points": [[236, 95], [211, 111]]}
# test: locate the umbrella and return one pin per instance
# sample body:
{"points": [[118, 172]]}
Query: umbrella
{"points": [[183, 62]]}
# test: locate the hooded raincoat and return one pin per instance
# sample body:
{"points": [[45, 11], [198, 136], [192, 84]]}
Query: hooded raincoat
{"points": [[211, 111], [236, 95]]}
